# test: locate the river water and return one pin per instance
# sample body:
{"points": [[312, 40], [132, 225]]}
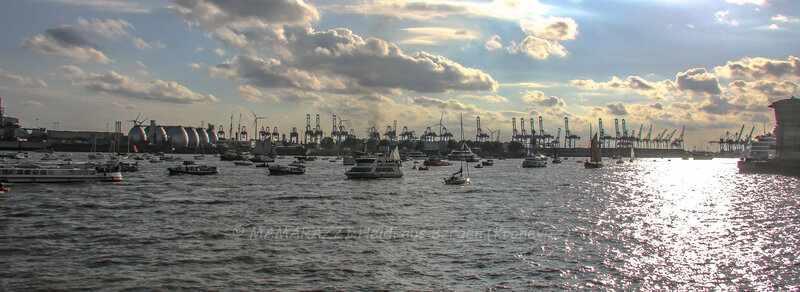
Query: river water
{"points": [[652, 224]]}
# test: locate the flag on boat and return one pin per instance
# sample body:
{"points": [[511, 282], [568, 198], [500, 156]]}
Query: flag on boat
{"points": [[135, 150]]}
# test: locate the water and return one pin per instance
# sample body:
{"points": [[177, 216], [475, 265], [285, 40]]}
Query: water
{"points": [[665, 225]]}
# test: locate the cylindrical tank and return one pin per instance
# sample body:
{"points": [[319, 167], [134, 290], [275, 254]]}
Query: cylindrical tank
{"points": [[160, 136], [212, 136], [202, 136], [192, 137], [137, 135], [177, 136]]}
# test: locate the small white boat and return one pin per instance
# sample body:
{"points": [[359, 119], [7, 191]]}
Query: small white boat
{"points": [[193, 170], [457, 178], [534, 159], [243, 162], [377, 167]]}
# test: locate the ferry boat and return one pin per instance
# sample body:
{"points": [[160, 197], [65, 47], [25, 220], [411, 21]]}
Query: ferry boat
{"points": [[55, 175], [763, 148], [534, 159], [465, 154], [377, 167]]}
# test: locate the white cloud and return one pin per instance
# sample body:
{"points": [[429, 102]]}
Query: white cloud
{"points": [[219, 52], [539, 98], [124, 86], [32, 103], [65, 42], [743, 2], [107, 29], [437, 35], [111, 5], [785, 19], [195, 66], [487, 98], [494, 43], [538, 48]]}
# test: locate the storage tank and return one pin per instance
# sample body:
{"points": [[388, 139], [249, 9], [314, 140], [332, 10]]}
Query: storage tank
{"points": [[137, 135], [177, 136], [202, 136], [192, 137], [156, 135], [212, 136]]}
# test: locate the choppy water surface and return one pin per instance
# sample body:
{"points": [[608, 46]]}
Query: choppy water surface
{"points": [[645, 225]]}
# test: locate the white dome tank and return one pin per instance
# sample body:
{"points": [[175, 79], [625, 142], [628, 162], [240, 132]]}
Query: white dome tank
{"points": [[159, 135], [177, 136], [137, 135], [202, 136], [192, 137], [212, 136]]}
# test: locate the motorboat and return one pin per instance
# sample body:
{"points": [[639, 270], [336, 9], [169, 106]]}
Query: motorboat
{"points": [[595, 159], [487, 162], [465, 154], [534, 159], [243, 162], [193, 170], [293, 168], [261, 158], [381, 166], [436, 161], [56, 175], [478, 165]]}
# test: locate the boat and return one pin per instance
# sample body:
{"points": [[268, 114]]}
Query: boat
{"points": [[633, 156], [381, 166], [487, 162], [457, 178], [49, 156], [478, 165], [414, 155], [193, 170], [348, 160], [595, 160], [534, 159], [556, 159], [423, 167], [436, 161], [119, 166], [4, 189], [465, 154], [96, 155], [243, 162], [56, 175], [261, 158], [699, 155], [762, 148], [189, 162], [293, 168]]}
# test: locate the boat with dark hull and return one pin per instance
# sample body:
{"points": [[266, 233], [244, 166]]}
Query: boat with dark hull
{"points": [[293, 168], [193, 170], [56, 175]]}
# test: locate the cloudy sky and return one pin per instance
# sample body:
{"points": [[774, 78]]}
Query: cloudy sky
{"points": [[708, 65]]}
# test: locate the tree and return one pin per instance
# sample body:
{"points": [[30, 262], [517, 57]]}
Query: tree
{"points": [[515, 147], [327, 143]]}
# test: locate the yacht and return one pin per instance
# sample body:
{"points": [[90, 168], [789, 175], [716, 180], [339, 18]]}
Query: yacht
{"points": [[55, 175], [465, 154], [381, 166], [763, 148], [534, 159]]}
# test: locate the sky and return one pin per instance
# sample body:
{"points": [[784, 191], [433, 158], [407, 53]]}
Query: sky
{"points": [[710, 66]]}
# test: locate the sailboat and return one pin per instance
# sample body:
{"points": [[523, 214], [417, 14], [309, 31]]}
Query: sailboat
{"points": [[595, 161], [457, 180]]}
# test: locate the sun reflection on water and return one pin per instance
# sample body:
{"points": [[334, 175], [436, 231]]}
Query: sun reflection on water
{"points": [[690, 224]]}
